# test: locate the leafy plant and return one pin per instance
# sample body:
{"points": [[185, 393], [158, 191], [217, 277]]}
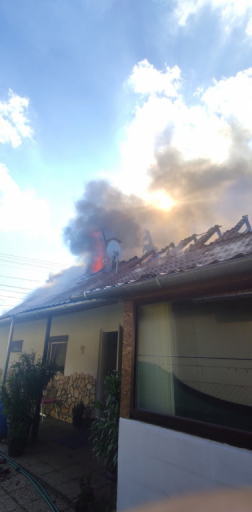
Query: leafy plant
{"points": [[104, 430], [27, 379], [77, 415]]}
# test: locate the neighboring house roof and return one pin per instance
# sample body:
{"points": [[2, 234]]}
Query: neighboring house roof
{"points": [[229, 245]]}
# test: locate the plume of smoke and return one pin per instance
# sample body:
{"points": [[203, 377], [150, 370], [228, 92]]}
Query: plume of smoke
{"points": [[203, 191], [103, 207], [184, 179], [55, 286], [201, 187]]}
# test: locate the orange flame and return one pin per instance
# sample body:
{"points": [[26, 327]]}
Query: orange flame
{"points": [[98, 256]]}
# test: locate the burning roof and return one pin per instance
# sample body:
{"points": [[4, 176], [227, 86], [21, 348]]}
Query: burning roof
{"points": [[193, 252]]}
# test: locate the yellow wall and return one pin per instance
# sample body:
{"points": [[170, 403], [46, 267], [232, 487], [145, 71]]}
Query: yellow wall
{"points": [[82, 328], [4, 333]]}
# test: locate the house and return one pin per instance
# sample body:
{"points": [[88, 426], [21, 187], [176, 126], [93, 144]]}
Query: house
{"points": [[185, 316]]}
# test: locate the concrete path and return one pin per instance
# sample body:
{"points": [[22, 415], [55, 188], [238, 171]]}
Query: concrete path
{"points": [[58, 468]]}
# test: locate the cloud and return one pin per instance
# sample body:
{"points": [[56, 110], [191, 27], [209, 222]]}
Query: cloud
{"points": [[145, 79], [14, 123], [21, 210], [232, 12], [195, 151], [199, 127]]}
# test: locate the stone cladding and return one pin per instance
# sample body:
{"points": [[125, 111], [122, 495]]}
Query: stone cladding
{"points": [[68, 391]]}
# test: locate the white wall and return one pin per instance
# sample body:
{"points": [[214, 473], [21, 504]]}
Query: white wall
{"points": [[155, 463]]}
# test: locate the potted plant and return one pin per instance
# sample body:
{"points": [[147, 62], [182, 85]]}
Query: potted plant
{"points": [[77, 415], [20, 395]]}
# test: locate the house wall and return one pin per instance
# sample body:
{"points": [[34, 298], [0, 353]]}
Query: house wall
{"points": [[4, 334], [83, 330], [155, 463]]}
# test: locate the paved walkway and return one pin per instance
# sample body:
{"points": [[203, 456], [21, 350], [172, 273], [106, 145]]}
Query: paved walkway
{"points": [[58, 468]]}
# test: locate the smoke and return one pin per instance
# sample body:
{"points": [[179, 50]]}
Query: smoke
{"points": [[51, 292], [205, 193], [203, 189], [104, 207]]}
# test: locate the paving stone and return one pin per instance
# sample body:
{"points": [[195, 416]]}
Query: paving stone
{"points": [[16, 481], [78, 470], [69, 489], [58, 468], [27, 461], [55, 478], [61, 462], [60, 504], [37, 506], [7, 504], [26, 496], [2, 491], [41, 469]]}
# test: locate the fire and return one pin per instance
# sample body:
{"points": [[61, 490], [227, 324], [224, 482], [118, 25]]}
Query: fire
{"points": [[98, 253]]}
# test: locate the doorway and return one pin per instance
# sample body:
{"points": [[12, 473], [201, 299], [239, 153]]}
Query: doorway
{"points": [[110, 357]]}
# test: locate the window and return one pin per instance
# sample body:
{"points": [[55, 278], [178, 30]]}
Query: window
{"points": [[194, 361], [57, 349], [16, 346]]}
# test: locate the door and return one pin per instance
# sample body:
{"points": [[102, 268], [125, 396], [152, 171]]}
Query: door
{"points": [[110, 357]]}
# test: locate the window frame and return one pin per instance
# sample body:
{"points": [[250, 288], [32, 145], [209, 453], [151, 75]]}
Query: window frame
{"points": [[57, 340], [205, 430], [13, 342]]}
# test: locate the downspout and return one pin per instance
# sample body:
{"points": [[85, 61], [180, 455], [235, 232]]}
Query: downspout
{"points": [[10, 338], [36, 420]]}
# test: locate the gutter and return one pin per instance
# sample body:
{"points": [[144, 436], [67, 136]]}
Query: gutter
{"points": [[231, 275], [42, 313]]}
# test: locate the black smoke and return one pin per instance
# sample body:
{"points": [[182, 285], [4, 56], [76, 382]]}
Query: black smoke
{"points": [[104, 207]]}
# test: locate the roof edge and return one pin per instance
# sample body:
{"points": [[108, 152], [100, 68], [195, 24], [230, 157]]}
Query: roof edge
{"points": [[236, 273]]}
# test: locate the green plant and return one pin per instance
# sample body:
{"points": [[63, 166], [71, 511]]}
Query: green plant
{"points": [[104, 430], [27, 379], [77, 415]]}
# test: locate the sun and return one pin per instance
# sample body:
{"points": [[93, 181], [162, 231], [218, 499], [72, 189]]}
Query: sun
{"points": [[162, 200]]}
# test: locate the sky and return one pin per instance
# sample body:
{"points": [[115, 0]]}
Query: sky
{"points": [[117, 109]]}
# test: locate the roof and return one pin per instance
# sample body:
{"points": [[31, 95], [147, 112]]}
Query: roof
{"points": [[191, 253]]}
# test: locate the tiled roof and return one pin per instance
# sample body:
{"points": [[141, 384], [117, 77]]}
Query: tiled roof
{"points": [[229, 245]]}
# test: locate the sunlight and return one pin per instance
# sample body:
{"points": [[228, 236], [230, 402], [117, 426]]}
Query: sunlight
{"points": [[161, 200]]}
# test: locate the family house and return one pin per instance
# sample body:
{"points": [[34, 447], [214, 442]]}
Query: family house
{"points": [[185, 316]]}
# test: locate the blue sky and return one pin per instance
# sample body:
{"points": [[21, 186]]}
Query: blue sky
{"points": [[103, 90]]}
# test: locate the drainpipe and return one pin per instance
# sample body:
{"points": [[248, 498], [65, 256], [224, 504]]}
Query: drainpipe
{"points": [[11, 332], [36, 420]]}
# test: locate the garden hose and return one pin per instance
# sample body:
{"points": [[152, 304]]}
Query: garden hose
{"points": [[34, 482]]}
